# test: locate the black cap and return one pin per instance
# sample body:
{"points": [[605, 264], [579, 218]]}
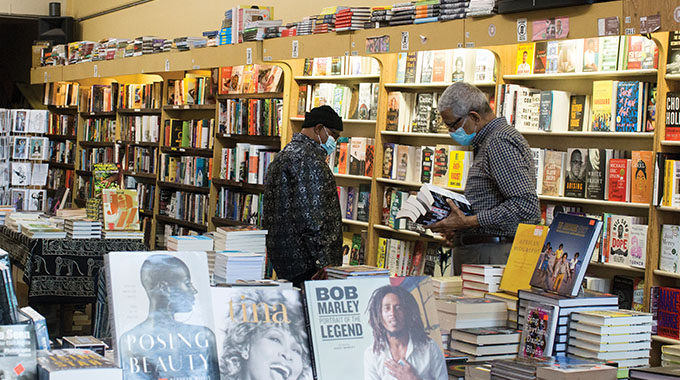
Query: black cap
{"points": [[323, 115]]}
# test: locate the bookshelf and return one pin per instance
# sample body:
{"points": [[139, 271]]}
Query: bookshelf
{"points": [[62, 135]]}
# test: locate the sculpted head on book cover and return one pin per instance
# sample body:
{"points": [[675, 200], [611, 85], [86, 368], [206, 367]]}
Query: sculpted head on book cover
{"points": [[163, 346]]}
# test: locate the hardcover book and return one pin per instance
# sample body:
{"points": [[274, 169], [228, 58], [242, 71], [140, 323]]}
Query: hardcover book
{"points": [[591, 55], [575, 178], [410, 74], [540, 57], [609, 53], [527, 249], [70, 363], [642, 176], [160, 306], [441, 166], [103, 174], [629, 103], [426, 163], [553, 179], [569, 246], [673, 116], [673, 57], [393, 109], [619, 238], [525, 59], [538, 330], [121, 210], [619, 179], [350, 322], [577, 112], [602, 106], [669, 252], [596, 173], [17, 352]]}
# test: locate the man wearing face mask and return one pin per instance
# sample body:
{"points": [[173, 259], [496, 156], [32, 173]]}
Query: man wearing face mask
{"points": [[301, 208], [501, 184]]}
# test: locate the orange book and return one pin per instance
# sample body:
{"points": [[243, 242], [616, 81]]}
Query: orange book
{"points": [[642, 176], [224, 79], [439, 66], [342, 162]]}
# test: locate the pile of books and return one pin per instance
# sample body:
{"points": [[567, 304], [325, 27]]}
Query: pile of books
{"points": [[80, 213], [551, 368], [468, 312], [354, 271], [447, 285], [188, 43], [380, 17], [426, 11], [510, 302], [306, 26], [255, 31], [4, 211], [82, 228], [233, 266], [452, 9], [42, 230], [351, 18], [247, 239], [15, 220], [325, 22], [670, 355], [190, 243], [402, 14], [556, 310], [481, 279], [134, 235], [480, 8], [481, 344], [621, 336]]}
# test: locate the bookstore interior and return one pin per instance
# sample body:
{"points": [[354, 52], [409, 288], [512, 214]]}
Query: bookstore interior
{"points": [[147, 155]]}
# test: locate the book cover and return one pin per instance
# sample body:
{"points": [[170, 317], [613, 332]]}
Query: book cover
{"points": [[628, 111], [103, 175], [591, 54], [552, 173], [424, 110], [609, 53], [673, 57], [18, 352], [388, 160], [401, 162], [459, 61], [619, 239], [641, 176], [552, 57], [670, 248], [602, 106], [538, 330], [426, 61], [441, 165], [364, 101], [596, 173], [570, 244], [160, 306], [545, 110], [439, 66], [225, 79], [426, 163], [363, 202], [540, 57], [668, 312], [577, 114], [302, 100], [401, 67], [357, 155], [121, 210], [638, 245], [410, 74], [459, 166], [525, 59], [392, 123], [260, 331], [672, 116], [575, 177], [359, 322], [527, 249], [568, 56], [619, 179], [370, 157]]}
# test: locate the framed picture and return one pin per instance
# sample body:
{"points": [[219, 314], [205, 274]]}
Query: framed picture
{"points": [[20, 145], [21, 173], [19, 199], [37, 121], [19, 125], [38, 148], [36, 200], [39, 174]]}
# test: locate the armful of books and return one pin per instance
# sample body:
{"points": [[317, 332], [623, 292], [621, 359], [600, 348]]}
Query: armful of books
{"points": [[430, 205]]}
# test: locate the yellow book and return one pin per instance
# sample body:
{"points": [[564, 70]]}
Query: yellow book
{"points": [[525, 59], [382, 248], [459, 162], [172, 169], [602, 106], [121, 210], [524, 254]]}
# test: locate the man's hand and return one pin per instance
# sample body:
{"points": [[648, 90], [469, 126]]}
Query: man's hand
{"points": [[402, 371], [454, 222]]}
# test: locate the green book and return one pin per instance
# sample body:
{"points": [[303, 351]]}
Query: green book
{"points": [[186, 133]]}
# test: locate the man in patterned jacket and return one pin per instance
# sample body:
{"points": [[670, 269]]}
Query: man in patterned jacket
{"points": [[301, 207]]}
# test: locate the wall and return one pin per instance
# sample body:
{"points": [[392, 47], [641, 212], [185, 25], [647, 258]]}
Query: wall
{"points": [[175, 18], [29, 7]]}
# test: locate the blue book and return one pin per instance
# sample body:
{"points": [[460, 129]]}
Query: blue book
{"points": [[628, 102]]}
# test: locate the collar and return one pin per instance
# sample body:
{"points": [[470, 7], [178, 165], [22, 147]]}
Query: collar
{"points": [[305, 140], [484, 132], [409, 349]]}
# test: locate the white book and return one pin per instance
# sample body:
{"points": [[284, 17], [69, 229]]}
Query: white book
{"points": [[670, 246]]}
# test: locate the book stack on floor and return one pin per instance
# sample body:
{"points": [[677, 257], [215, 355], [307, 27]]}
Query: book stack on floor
{"points": [[558, 308], [670, 355], [481, 344], [403, 14], [511, 303], [232, 266], [481, 279], [190, 243], [82, 228], [248, 239], [469, 312], [620, 336], [4, 211], [354, 271], [443, 286], [552, 369]]}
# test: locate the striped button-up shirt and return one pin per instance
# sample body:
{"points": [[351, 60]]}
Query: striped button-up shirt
{"points": [[501, 184]]}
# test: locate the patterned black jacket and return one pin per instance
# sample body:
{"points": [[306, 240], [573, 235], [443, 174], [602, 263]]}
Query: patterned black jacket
{"points": [[301, 210]]}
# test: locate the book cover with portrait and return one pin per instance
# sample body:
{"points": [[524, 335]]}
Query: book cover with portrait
{"points": [[261, 333], [161, 315], [538, 330], [568, 248], [369, 322]]}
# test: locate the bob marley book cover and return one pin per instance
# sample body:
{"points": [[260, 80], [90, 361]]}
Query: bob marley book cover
{"points": [[161, 315], [261, 333], [375, 328]]}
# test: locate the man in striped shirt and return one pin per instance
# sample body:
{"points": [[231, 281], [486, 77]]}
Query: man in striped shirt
{"points": [[501, 184]]}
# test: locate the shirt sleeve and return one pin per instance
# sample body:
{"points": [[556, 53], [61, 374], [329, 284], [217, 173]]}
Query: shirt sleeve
{"points": [[515, 177]]}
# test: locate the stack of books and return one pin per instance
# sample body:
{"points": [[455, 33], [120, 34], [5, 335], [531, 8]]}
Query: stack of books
{"points": [[481, 344], [481, 279], [551, 368], [655, 373], [83, 228], [380, 17], [188, 43], [563, 307], [467, 313], [452, 9], [426, 11], [351, 18], [481, 8], [620, 336], [14, 220], [4, 211], [403, 14], [326, 21], [73, 213], [42, 230], [255, 31], [134, 235], [354, 271], [306, 26], [447, 286], [511, 303], [670, 355], [247, 239], [233, 266], [190, 243]]}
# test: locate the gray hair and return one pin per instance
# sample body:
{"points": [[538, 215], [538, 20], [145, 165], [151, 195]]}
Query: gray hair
{"points": [[461, 98]]}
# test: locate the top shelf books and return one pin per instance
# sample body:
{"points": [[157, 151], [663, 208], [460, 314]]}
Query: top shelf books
{"points": [[61, 94], [194, 89], [140, 96], [250, 79], [346, 68], [428, 68]]}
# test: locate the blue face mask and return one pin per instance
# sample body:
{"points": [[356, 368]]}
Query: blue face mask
{"points": [[330, 143], [461, 137]]}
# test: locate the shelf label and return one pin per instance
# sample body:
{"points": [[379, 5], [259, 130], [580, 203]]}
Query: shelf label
{"points": [[267, 58], [45, 76], [134, 173], [491, 30], [521, 30], [676, 14], [182, 150], [650, 24], [630, 31], [469, 44], [96, 71], [196, 67], [175, 107], [404, 40], [249, 56], [167, 65], [186, 106], [294, 52], [460, 45], [355, 53]]}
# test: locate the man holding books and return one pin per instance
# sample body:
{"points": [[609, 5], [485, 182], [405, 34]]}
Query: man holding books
{"points": [[301, 208], [500, 185]]}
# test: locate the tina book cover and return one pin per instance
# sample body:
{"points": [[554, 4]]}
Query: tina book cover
{"points": [[161, 315], [261, 333], [362, 322]]}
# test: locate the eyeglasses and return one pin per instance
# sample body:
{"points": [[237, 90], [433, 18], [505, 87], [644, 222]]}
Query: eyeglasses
{"points": [[332, 132], [452, 126]]}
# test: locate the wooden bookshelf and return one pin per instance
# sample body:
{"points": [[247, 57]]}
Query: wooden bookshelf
{"points": [[259, 95], [86, 173], [355, 223], [60, 165], [550, 198], [416, 134], [617, 267], [169, 220], [182, 187], [181, 151], [338, 78], [251, 139], [434, 86], [97, 144], [245, 186], [670, 143], [614, 135], [139, 111], [352, 177], [407, 233], [88, 115], [148, 144], [143, 175], [347, 121], [189, 107], [60, 137], [598, 75], [221, 222]]}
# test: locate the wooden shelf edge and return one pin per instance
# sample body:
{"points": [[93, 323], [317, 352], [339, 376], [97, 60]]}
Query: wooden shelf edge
{"points": [[355, 222], [416, 134], [406, 232], [258, 95], [217, 221], [337, 77], [354, 177], [190, 107], [348, 121], [183, 223], [635, 135], [141, 111], [627, 268], [593, 201], [663, 273], [588, 75], [183, 187], [434, 85], [664, 340]]}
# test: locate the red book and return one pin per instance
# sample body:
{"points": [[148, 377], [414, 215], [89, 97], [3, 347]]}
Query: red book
{"points": [[619, 179]]}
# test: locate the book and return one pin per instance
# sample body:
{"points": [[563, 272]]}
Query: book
{"points": [[76, 364], [596, 173], [18, 356], [460, 162], [571, 241], [361, 345], [575, 177], [538, 330], [642, 177], [164, 296], [619, 180], [430, 205], [121, 209], [525, 59], [440, 167], [591, 55], [485, 336], [527, 249], [103, 177], [602, 119], [540, 57], [553, 177], [264, 318], [578, 112], [629, 106], [669, 252]]}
